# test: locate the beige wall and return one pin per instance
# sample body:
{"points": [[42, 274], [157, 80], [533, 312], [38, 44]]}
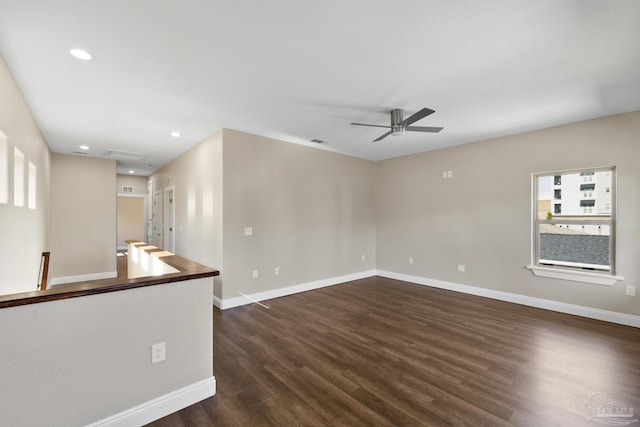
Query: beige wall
{"points": [[131, 215], [312, 214], [482, 216], [130, 220], [197, 178], [312, 211], [139, 183], [83, 217], [76, 361], [23, 230]]}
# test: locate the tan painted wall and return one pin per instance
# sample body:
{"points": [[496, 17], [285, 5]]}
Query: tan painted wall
{"points": [[83, 216], [482, 216], [197, 178], [130, 219], [23, 231], [76, 361], [312, 214], [139, 183], [311, 211]]}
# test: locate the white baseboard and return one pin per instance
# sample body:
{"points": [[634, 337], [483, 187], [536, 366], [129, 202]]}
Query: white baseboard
{"points": [[577, 310], [161, 406], [224, 304], [83, 278]]}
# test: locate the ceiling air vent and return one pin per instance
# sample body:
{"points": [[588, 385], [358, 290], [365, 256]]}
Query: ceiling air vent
{"points": [[318, 141], [127, 155], [127, 189], [82, 153]]}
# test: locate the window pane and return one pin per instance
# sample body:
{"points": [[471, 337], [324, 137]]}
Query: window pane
{"points": [[568, 196], [32, 185], [4, 169], [18, 177], [575, 245], [575, 219]]}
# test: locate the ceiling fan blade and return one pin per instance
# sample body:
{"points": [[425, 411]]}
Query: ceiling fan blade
{"points": [[375, 126], [417, 116], [424, 129], [383, 136]]}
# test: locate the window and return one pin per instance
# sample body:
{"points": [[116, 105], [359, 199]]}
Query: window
{"points": [[580, 235], [18, 177], [32, 185], [4, 169]]}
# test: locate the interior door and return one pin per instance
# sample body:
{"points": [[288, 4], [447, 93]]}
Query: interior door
{"points": [[156, 219], [169, 213], [148, 212]]}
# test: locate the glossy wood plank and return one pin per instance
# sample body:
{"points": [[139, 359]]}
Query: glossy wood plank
{"points": [[383, 352], [188, 270]]}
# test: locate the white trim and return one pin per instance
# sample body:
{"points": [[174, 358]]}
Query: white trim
{"points": [[161, 406], [139, 196], [576, 310], [218, 302], [576, 276], [224, 304], [83, 278]]}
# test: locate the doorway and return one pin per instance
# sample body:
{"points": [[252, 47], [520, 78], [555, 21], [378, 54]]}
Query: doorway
{"points": [[169, 215], [129, 219], [156, 219]]}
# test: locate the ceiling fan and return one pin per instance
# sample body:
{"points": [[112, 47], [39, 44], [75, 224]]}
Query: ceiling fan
{"points": [[399, 125]]}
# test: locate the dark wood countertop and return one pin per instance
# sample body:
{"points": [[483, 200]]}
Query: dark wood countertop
{"points": [[188, 270]]}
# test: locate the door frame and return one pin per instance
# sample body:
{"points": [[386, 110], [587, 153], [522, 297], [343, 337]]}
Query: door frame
{"points": [[156, 221], [169, 215]]}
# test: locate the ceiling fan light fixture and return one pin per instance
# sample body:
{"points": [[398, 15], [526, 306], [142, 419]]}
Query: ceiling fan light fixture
{"points": [[399, 131]]}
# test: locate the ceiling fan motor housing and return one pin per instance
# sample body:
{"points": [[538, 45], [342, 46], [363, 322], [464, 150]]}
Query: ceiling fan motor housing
{"points": [[397, 117]]}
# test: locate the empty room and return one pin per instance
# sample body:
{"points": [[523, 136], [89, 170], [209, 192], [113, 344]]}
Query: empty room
{"points": [[419, 213]]}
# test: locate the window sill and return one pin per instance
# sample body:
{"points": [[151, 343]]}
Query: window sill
{"points": [[576, 276]]}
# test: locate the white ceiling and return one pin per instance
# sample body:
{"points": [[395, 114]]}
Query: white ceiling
{"points": [[298, 70]]}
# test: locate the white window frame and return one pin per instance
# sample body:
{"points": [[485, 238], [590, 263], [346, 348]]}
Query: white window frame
{"points": [[568, 272]]}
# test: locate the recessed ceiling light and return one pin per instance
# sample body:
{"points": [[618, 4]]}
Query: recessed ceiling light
{"points": [[132, 171], [81, 54], [175, 134], [84, 147]]}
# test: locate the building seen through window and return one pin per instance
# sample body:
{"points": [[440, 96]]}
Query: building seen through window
{"points": [[577, 231]]}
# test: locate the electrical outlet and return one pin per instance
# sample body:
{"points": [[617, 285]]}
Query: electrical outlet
{"points": [[631, 291], [449, 174], [444, 174], [410, 260], [461, 268], [255, 274], [157, 353]]}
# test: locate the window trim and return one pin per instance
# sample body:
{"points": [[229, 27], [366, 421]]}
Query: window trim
{"points": [[606, 278]]}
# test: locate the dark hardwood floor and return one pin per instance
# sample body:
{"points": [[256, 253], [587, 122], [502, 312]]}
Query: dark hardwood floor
{"points": [[383, 352]]}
